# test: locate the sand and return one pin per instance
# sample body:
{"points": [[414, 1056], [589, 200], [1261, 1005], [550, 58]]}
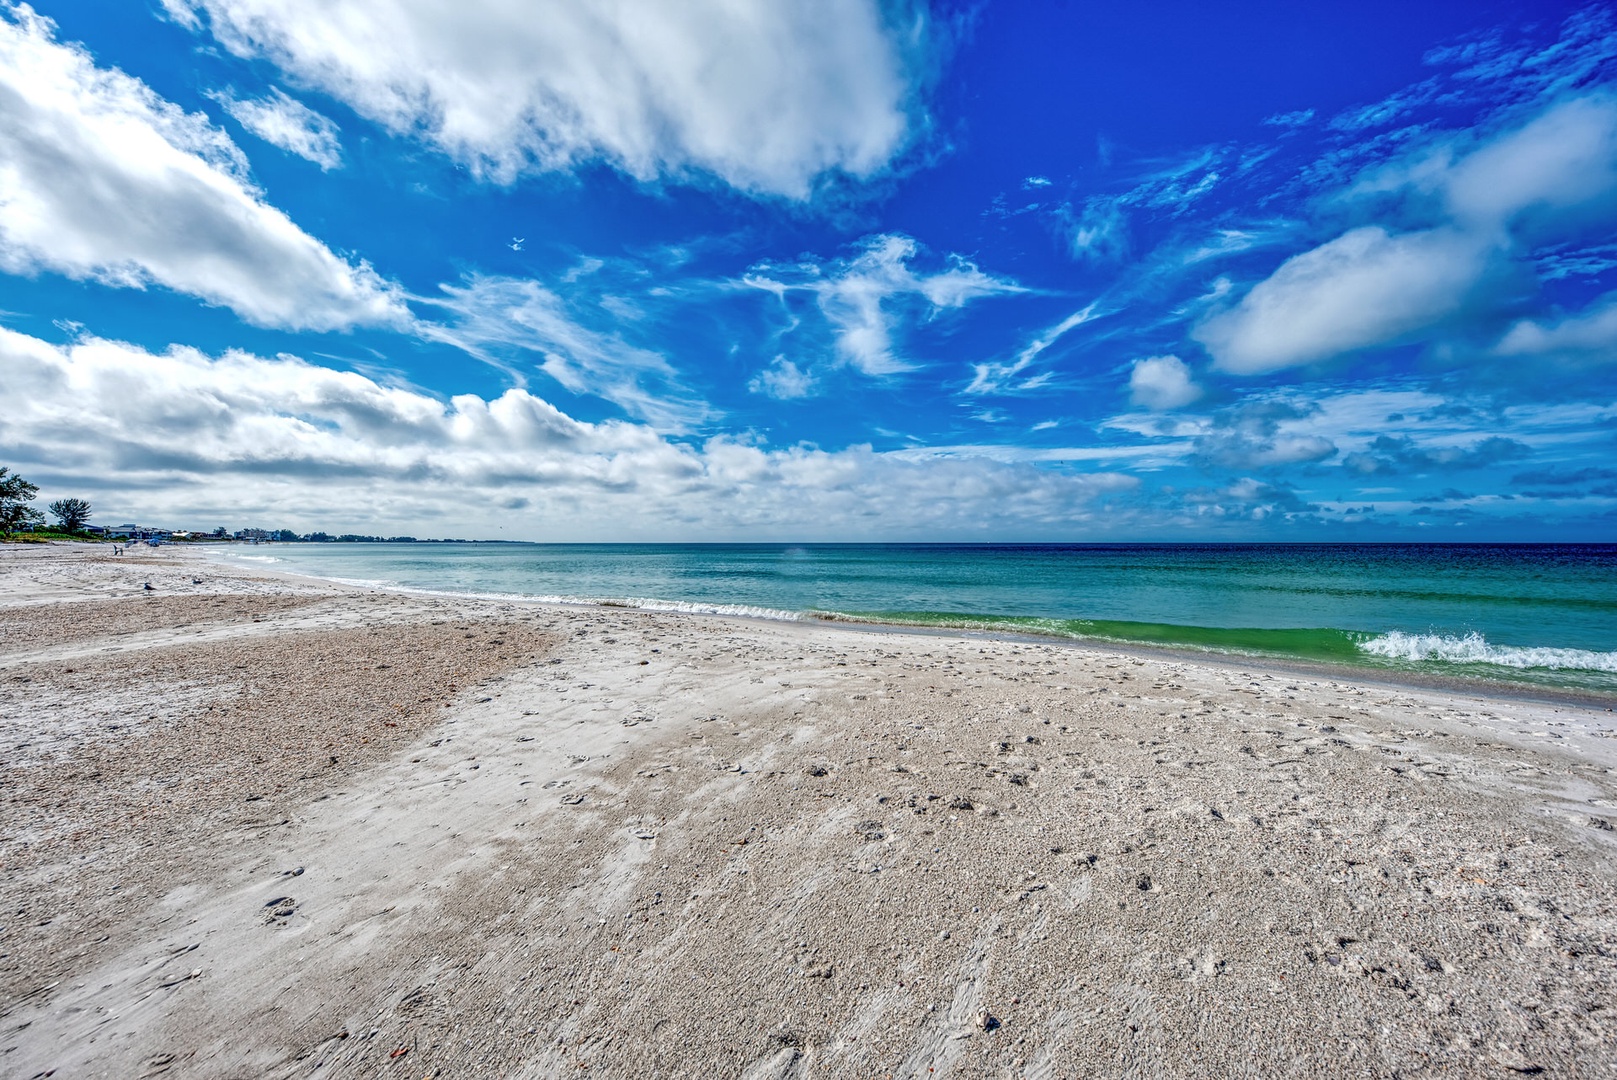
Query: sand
{"points": [[255, 826]]}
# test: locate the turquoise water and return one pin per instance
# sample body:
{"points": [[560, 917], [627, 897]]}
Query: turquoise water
{"points": [[1539, 614]]}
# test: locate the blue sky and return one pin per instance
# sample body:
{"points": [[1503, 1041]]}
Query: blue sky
{"points": [[765, 270]]}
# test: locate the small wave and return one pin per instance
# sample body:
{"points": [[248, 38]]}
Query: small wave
{"points": [[1473, 648], [257, 558], [689, 607]]}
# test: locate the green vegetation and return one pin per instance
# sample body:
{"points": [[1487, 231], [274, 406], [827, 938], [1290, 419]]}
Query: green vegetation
{"points": [[15, 495], [71, 514], [19, 520]]}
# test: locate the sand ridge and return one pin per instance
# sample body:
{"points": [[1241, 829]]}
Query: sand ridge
{"points": [[661, 845]]}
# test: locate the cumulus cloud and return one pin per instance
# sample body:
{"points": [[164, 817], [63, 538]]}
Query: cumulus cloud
{"points": [[292, 444], [286, 122], [767, 95], [510, 321], [1585, 475], [1162, 382], [1263, 434], [1590, 334], [1249, 499], [103, 180], [1365, 288], [1547, 174], [783, 380], [866, 297], [1483, 200], [1389, 454]]}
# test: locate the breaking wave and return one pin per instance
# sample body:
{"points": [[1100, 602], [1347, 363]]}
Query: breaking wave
{"points": [[1473, 648]]}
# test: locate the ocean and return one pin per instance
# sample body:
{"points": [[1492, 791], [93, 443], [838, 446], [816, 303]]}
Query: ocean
{"points": [[1542, 615]]}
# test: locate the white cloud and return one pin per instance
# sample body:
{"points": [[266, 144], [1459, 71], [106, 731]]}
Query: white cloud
{"points": [[1178, 186], [783, 380], [504, 321], [101, 179], [1249, 498], [1384, 112], [1162, 382], [1099, 231], [1150, 456], [1225, 242], [188, 439], [1553, 171], [1560, 165], [1005, 378], [1238, 451], [1591, 334], [1366, 287], [288, 123], [1550, 176], [767, 95], [1264, 433], [1297, 119], [1277, 428], [864, 298]]}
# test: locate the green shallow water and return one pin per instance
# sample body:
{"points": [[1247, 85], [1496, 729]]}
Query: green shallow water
{"points": [[1330, 646], [1542, 615], [1470, 656]]}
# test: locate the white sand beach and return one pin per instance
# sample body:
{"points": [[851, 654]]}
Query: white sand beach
{"points": [[257, 826]]}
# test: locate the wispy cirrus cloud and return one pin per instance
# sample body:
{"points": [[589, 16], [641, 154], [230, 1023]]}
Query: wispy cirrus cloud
{"points": [[1096, 231], [867, 298], [103, 180], [286, 122], [994, 377], [518, 323], [1295, 119]]}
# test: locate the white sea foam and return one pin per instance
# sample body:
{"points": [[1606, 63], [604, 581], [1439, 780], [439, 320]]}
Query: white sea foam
{"points": [[1473, 648], [689, 607], [636, 603]]}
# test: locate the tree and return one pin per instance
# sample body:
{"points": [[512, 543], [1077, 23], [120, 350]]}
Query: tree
{"points": [[15, 495], [72, 513]]}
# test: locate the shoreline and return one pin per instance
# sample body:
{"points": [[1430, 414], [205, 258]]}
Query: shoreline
{"points": [[261, 825], [1483, 687]]}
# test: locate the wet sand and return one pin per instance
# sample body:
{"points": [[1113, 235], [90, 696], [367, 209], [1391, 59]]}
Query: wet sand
{"points": [[261, 826]]}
